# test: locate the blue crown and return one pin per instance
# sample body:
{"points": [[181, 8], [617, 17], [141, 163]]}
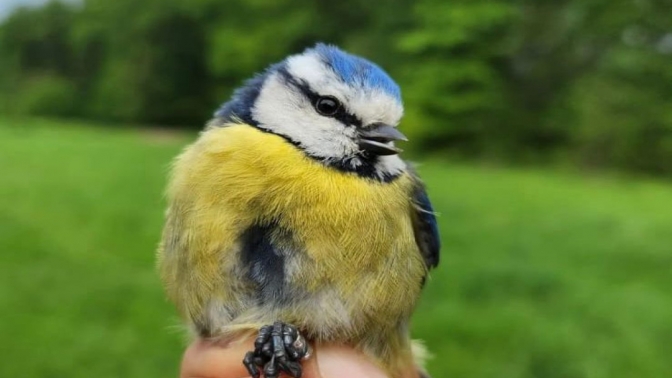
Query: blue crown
{"points": [[356, 71]]}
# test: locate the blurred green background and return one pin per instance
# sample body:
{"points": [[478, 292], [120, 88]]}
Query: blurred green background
{"points": [[544, 129]]}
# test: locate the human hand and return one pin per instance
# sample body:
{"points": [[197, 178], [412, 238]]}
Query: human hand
{"points": [[207, 359]]}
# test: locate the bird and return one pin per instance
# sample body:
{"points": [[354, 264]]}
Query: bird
{"points": [[293, 217]]}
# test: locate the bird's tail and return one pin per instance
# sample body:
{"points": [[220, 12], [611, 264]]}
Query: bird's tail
{"points": [[420, 356]]}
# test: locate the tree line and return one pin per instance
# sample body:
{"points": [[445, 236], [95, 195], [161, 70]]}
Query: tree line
{"points": [[586, 81]]}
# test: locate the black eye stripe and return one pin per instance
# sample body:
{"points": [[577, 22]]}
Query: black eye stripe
{"points": [[342, 115]]}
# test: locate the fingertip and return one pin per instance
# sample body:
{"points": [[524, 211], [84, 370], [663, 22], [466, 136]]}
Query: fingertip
{"points": [[209, 359], [337, 361]]}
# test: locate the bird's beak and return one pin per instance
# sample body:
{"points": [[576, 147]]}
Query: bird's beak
{"points": [[375, 138]]}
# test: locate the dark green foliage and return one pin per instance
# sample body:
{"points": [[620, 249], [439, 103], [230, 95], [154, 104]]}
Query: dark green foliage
{"points": [[46, 94], [584, 81], [37, 62], [452, 84]]}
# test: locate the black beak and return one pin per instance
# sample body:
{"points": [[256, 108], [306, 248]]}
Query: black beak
{"points": [[375, 138]]}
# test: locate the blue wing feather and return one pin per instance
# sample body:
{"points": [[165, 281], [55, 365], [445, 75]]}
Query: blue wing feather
{"points": [[425, 227]]}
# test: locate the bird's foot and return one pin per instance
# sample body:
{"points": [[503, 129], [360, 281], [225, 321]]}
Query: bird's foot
{"points": [[278, 348]]}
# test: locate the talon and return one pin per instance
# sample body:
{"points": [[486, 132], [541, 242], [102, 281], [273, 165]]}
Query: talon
{"points": [[278, 348], [271, 370], [291, 331], [293, 368], [267, 350], [299, 343], [250, 364], [264, 334], [298, 349], [309, 352]]}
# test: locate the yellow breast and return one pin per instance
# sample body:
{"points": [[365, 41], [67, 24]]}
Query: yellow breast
{"points": [[355, 231]]}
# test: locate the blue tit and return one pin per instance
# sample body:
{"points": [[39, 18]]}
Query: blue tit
{"points": [[293, 217]]}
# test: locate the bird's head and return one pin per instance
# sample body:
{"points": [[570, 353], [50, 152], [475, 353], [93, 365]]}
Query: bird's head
{"points": [[340, 109]]}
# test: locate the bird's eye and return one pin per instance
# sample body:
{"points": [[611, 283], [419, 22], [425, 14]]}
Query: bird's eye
{"points": [[327, 105]]}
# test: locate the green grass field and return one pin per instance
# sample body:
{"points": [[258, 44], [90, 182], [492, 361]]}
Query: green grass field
{"points": [[543, 274]]}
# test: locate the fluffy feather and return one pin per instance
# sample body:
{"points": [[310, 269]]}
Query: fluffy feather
{"points": [[356, 271]]}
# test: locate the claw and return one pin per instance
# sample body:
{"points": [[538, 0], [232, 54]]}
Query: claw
{"points": [[271, 370], [250, 365], [267, 350], [262, 338], [293, 368], [278, 348]]}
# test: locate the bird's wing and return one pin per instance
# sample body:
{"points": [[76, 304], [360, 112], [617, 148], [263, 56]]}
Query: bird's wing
{"points": [[424, 224]]}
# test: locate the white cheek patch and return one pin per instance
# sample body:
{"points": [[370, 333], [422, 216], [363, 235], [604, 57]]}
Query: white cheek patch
{"points": [[285, 111]]}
